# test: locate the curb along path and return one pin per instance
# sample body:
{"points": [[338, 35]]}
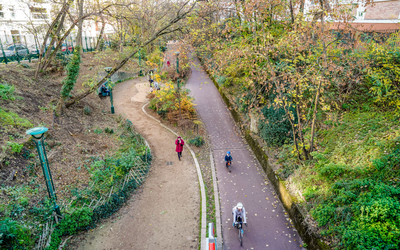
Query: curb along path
{"points": [[269, 226], [202, 189]]}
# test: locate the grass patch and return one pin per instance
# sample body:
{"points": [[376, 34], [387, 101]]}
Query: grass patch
{"points": [[10, 118], [7, 92]]}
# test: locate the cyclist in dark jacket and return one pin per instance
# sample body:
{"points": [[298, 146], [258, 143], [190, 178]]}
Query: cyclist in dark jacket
{"points": [[228, 158]]}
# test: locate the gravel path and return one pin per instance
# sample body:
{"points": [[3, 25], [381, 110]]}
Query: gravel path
{"points": [[164, 213], [269, 226]]}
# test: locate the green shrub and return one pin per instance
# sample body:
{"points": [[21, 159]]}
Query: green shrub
{"points": [[332, 171], [98, 131], [14, 235], [220, 79], [275, 129], [384, 75], [10, 118], [164, 75], [15, 146], [109, 131], [363, 212], [71, 223], [198, 141], [7, 92], [87, 110]]}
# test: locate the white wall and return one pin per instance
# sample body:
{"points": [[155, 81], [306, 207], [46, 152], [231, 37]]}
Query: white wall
{"points": [[15, 16]]}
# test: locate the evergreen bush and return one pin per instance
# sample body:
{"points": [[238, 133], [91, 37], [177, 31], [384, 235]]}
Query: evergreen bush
{"points": [[275, 129], [198, 141], [72, 73]]}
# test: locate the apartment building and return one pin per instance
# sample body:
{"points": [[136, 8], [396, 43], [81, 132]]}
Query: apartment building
{"points": [[17, 17], [381, 15]]}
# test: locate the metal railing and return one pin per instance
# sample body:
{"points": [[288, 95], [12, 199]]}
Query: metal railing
{"points": [[15, 50]]}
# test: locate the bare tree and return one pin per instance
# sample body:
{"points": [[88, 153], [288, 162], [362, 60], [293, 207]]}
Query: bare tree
{"points": [[168, 22], [46, 61]]}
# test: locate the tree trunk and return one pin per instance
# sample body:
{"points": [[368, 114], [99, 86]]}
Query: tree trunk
{"points": [[56, 35], [319, 87], [49, 31], [101, 33], [80, 23], [291, 11], [299, 124], [293, 129], [302, 7]]}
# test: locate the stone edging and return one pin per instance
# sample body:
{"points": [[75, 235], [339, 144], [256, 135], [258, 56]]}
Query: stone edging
{"points": [[216, 201], [287, 200], [203, 241]]}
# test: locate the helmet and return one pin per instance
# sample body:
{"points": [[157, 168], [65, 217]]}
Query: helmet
{"points": [[229, 152], [239, 205]]}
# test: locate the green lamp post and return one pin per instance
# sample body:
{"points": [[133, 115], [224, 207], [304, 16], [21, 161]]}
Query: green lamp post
{"points": [[108, 70], [38, 136], [140, 65]]}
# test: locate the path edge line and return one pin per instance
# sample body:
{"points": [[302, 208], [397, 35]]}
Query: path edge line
{"points": [[216, 201], [203, 241]]}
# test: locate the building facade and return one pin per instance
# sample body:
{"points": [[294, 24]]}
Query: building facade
{"points": [[18, 17], [381, 15]]}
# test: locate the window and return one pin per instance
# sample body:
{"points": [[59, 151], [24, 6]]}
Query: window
{"points": [[12, 11], [15, 35], [39, 13], [1, 11]]}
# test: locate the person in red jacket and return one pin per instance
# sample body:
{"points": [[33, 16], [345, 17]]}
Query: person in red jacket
{"points": [[179, 146]]}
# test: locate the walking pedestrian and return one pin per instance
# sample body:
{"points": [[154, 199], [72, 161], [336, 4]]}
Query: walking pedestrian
{"points": [[168, 63], [179, 146]]}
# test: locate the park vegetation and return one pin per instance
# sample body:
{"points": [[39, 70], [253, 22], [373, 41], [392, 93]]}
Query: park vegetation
{"points": [[95, 168], [326, 103]]}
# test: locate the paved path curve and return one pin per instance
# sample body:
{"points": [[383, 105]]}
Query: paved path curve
{"points": [[269, 226], [164, 212]]}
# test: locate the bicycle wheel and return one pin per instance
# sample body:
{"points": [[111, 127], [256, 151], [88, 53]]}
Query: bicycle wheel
{"points": [[241, 237]]}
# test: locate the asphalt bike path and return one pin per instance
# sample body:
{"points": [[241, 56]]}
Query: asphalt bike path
{"points": [[269, 226]]}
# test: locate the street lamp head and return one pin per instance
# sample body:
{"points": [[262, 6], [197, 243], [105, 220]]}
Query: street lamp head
{"points": [[108, 69], [37, 133]]}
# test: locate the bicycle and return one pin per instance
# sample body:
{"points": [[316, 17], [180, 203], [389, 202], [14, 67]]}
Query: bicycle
{"points": [[239, 225], [228, 165]]}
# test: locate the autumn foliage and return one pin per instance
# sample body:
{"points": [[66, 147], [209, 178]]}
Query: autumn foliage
{"points": [[303, 80]]}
